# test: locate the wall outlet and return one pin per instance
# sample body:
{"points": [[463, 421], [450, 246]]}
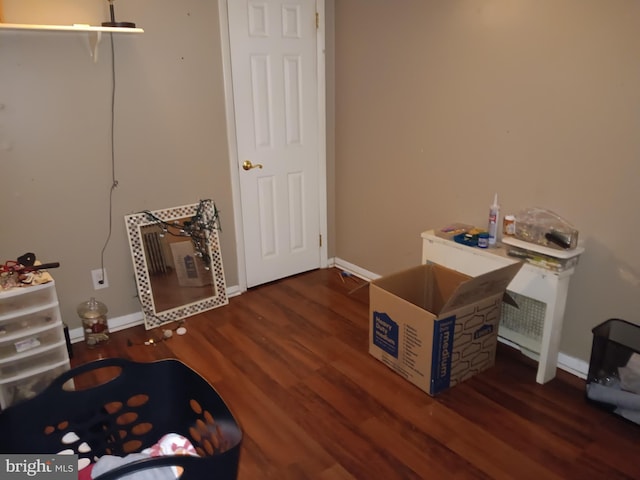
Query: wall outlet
{"points": [[98, 281]]}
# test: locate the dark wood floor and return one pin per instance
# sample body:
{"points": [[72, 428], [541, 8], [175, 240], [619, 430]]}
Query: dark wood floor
{"points": [[290, 359]]}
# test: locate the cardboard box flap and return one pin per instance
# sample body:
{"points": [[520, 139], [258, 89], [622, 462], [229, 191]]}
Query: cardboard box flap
{"points": [[483, 286], [441, 284], [407, 284], [426, 286]]}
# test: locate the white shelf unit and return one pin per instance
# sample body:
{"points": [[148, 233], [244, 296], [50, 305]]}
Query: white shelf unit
{"points": [[33, 349], [94, 33], [540, 293], [77, 28]]}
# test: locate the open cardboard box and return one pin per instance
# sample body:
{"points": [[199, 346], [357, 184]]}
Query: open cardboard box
{"points": [[435, 326]]}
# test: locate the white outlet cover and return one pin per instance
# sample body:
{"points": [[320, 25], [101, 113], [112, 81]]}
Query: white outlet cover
{"points": [[96, 275]]}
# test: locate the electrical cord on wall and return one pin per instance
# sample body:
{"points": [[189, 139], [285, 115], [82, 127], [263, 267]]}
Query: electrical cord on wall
{"points": [[114, 182]]}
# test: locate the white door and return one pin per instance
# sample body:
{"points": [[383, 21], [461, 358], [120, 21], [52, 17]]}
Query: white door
{"points": [[275, 93]]}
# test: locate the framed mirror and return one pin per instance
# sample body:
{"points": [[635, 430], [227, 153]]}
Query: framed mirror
{"points": [[177, 261]]}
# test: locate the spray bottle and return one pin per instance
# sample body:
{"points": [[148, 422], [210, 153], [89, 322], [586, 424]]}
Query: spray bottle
{"points": [[494, 218]]}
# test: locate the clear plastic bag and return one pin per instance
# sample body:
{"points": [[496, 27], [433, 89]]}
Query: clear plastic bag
{"points": [[546, 228]]}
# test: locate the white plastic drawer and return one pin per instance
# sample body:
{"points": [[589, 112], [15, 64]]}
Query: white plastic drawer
{"points": [[24, 362], [29, 386], [20, 325], [33, 339], [24, 298]]}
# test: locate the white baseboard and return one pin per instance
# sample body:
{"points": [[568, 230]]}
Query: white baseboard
{"points": [[569, 364], [133, 319], [117, 323], [354, 269], [574, 366]]}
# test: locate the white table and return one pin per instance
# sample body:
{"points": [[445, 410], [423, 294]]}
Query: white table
{"points": [[539, 284]]}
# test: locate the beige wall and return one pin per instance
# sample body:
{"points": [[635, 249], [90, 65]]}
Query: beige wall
{"points": [[55, 165], [441, 104]]}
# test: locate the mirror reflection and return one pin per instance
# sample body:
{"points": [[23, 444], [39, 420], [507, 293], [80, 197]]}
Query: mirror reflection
{"points": [[177, 275]]}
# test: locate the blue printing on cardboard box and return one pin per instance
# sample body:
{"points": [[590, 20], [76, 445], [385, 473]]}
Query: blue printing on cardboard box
{"points": [[443, 331], [385, 333], [483, 331]]}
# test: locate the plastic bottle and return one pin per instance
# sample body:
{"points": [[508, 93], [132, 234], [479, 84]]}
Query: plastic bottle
{"points": [[494, 218], [509, 225]]}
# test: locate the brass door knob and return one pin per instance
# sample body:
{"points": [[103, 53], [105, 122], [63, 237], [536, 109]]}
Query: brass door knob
{"points": [[247, 165]]}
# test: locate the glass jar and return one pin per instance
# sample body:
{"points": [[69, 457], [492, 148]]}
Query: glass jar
{"points": [[483, 240], [94, 322]]}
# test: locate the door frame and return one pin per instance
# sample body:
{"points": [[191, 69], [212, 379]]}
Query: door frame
{"points": [[232, 142]]}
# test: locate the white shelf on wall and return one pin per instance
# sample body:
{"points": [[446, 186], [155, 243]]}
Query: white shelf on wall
{"points": [[67, 28], [94, 33]]}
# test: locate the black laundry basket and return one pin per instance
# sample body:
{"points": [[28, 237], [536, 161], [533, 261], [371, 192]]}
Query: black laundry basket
{"points": [[126, 414]]}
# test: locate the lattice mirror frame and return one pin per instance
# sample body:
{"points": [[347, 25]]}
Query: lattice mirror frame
{"points": [[134, 226]]}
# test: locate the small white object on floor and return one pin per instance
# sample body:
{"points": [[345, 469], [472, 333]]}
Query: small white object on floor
{"points": [[181, 331]]}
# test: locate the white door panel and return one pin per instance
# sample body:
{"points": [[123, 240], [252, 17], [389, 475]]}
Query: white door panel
{"points": [[275, 89]]}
